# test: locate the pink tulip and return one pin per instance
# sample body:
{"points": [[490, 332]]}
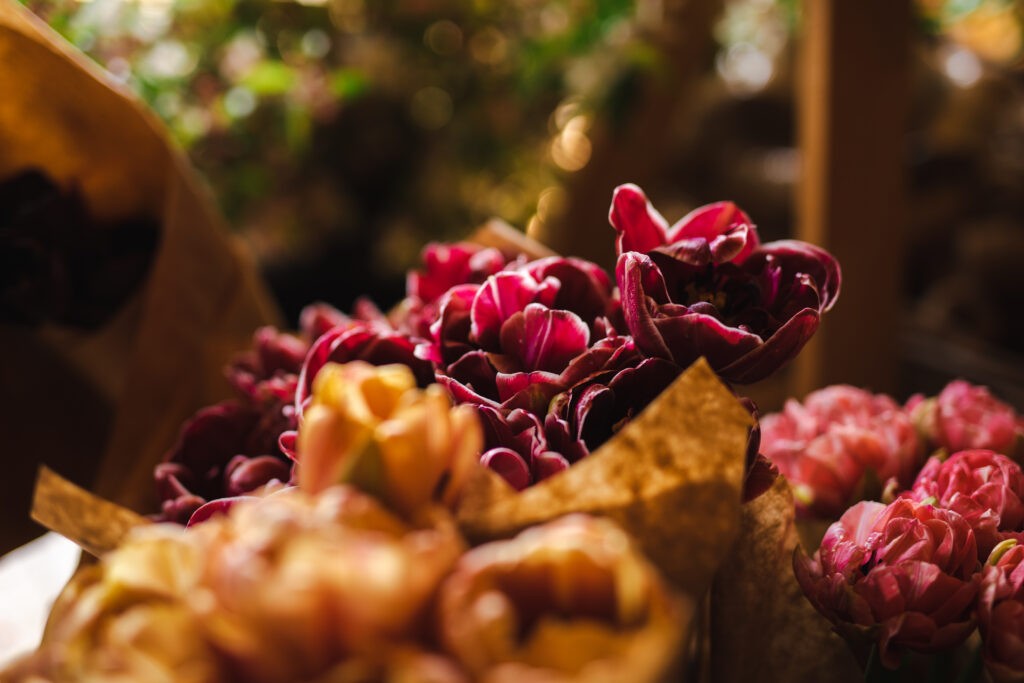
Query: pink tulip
{"points": [[837, 442], [901, 576], [964, 416], [1001, 616], [984, 487]]}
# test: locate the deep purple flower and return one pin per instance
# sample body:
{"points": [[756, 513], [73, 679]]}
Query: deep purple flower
{"points": [[715, 291], [722, 230], [901, 576], [505, 344], [522, 449], [270, 366], [225, 450], [597, 407], [359, 340]]}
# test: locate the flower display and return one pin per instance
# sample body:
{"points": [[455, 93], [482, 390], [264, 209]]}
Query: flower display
{"points": [[289, 587], [836, 443], [334, 586], [984, 487], [707, 287], [964, 417], [550, 353], [568, 600], [902, 576], [1001, 615], [373, 427]]}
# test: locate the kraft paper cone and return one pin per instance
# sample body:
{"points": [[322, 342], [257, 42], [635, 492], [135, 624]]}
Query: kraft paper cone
{"points": [[762, 626], [671, 477], [160, 358]]}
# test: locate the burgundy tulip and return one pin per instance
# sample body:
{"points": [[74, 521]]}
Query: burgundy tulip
{"points": [[225, 450], [715, 291], [359, 340], [448, 265]]}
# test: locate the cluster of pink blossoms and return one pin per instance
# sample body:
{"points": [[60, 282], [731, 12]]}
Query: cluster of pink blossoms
{"points": [[923, 571], [555, 354]]}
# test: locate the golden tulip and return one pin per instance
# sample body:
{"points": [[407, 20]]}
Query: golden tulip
{"points": [[371, 426]]}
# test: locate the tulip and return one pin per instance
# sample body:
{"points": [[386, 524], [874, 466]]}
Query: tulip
{"points": [[274, 361], [984, 487], [522, 449], [448, 265], [371, 426], [505, 344], [965, 417], [288, 587], [1001, 614], [569, 600], [228, 449], [715, 291], [357, 340], [722, 230], [838, 443], [900, 576]]}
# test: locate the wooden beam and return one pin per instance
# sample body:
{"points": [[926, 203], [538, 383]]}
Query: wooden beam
{"points": [[853, 99]]}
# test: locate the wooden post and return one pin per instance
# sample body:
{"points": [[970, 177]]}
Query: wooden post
{"points": [[853, 97]]}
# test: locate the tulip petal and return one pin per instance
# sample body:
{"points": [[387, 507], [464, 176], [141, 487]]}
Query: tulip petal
{"points": [[641, 228], [714, 222], [510, 465]]}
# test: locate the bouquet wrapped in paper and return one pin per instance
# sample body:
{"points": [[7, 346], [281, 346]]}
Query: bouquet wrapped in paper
{"points": [[125, 297], [578, 427]]}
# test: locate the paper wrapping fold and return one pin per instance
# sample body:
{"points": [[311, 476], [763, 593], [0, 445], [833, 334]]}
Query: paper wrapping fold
{"points": [[762, 626], [671, 477], [160, 358]]}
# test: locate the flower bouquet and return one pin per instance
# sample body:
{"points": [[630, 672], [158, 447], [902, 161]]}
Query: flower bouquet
{"points": [[529, 468], [919, 576], [122, 295]]}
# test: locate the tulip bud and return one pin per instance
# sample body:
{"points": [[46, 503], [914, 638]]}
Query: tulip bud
{"points": [[370, 425], [569, 600]]}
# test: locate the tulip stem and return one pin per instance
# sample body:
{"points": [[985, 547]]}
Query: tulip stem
{"points": [[971, 672], [876, 672]]}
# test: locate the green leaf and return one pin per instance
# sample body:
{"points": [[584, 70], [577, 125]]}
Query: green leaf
{"points": [[269, 78], [348, 84]]}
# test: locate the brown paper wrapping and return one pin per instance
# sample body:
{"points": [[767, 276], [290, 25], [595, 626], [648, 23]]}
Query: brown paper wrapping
{"points": [[97, 525], [160, 358], [671, 477], [762, 626]]}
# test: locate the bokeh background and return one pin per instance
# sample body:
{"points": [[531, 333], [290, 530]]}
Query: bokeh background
{"points": [[339, 136]]}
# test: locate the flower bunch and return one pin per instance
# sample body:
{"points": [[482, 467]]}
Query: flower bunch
{"points": [[334, 587], [554, 355], [908, 575]]}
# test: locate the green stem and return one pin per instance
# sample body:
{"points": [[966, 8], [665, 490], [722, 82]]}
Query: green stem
{"points": [[971, 672], [875, 672]]}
